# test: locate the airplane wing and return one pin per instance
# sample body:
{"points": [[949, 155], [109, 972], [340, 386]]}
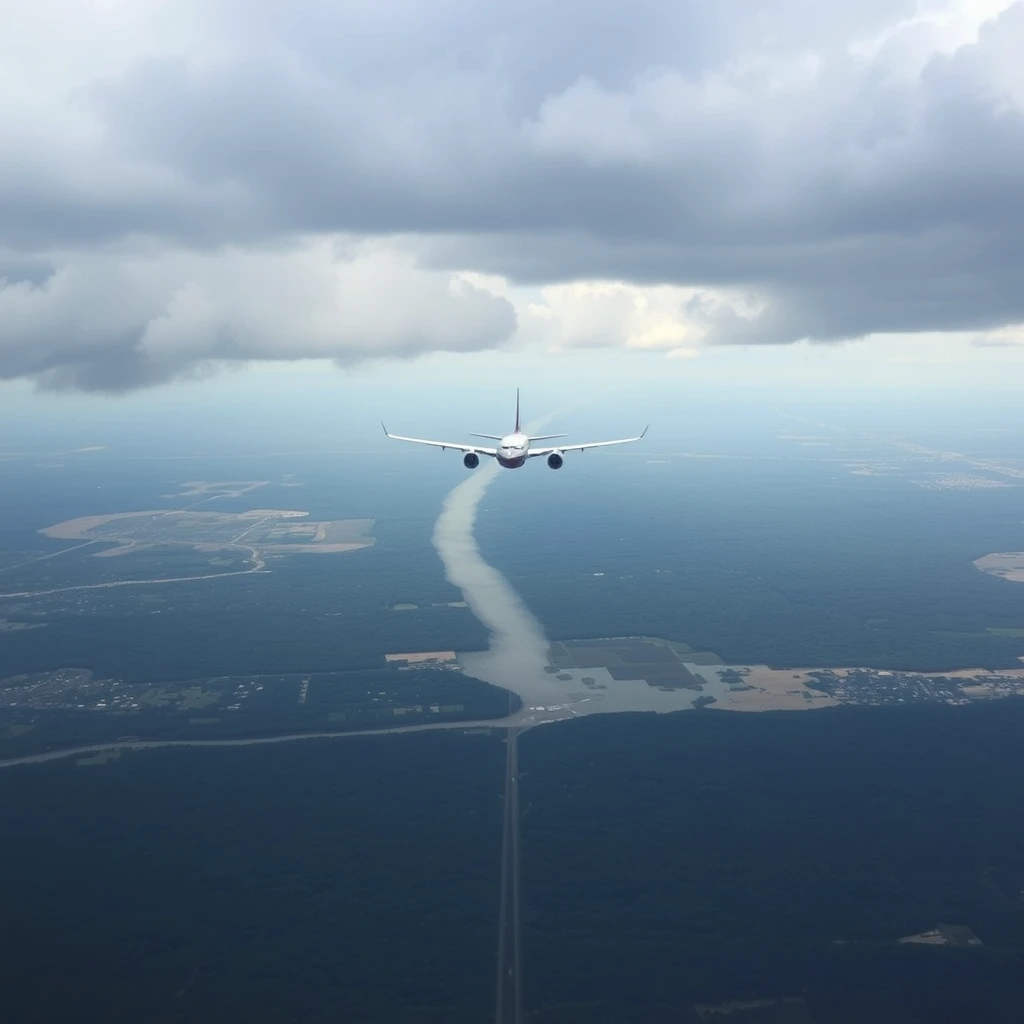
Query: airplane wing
{"points": [[535, 452], [444, 444]]}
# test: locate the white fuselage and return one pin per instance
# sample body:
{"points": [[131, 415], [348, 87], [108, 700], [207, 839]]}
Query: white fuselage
{"points": [[513, 450]]}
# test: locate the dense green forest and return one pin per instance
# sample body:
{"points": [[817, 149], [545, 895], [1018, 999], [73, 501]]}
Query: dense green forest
{"points": [[667, 861], [674, 859], [312, 613], [793, 563], [346, 880]]}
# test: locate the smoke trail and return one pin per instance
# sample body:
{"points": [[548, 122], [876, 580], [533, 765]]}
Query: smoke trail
{"points": [[518, 653], [518, 649]]}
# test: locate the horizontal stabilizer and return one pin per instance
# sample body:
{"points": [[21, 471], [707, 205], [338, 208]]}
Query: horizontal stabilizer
{"points": [[490, 437], [547, 437]]}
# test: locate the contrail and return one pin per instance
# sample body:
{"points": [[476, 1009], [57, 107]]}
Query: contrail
{"points": [[518, 649], [518, 652]]}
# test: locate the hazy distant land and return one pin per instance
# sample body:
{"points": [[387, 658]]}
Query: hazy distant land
{"points": [[269, 531], [175, 546]]}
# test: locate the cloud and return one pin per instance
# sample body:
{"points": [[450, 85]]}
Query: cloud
{"points": [[603, 314], [197, 183], [1011, 336], [518, 650], [118, 320]]}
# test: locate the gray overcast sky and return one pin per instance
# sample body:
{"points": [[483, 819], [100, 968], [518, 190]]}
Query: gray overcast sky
{"points": [[206, 182]]}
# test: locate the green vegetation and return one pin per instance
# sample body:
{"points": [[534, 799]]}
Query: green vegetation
{"points": [[318, 881], [668, 861], [53, 714], [12, 730], [197, 697], [685, 858], [656, 661], [8, 626], [100, 757], [787, 562]]}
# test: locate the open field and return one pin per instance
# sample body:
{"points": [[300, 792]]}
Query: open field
{"points": [[769, 689], [218, 488], [661, 663], [1008, 565], [7, 626], [421, 658]]}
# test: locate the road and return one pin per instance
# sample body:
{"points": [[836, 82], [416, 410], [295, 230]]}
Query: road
{"points": [[258, 567], [509, 987], [46, 558], [521, 719]]}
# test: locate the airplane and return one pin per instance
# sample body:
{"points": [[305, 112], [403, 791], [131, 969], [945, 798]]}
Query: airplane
{"points": [[514, 449]]}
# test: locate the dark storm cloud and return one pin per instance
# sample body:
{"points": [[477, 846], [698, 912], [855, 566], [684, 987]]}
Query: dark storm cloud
{"points": [[826, 159], [375, 123]]}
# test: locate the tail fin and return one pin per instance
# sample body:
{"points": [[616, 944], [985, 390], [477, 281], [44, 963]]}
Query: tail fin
{"points": [[517, 410]]}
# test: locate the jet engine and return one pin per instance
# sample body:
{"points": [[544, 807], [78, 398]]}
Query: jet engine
{"points": [[471, 460], [555, 460]]}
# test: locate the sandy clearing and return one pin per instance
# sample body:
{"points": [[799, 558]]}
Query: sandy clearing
{"points": [[229, 488], [786, 689], [78, 529], [979, 691], [123, 549], [763, 700], [314, 549], [1007, 565], [775, 690], [422, 656]]}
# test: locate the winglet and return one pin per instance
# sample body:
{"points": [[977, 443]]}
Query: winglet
{"points": [[385, 429], [645, 430], [517, 411]]}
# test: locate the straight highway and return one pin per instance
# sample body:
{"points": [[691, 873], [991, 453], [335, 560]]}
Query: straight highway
{"points": [[509, 986]]}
